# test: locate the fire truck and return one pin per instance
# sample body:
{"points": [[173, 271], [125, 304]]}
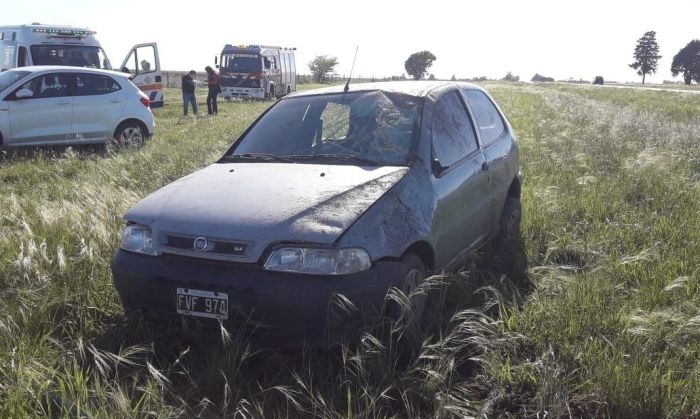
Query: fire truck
{"points": [[256, 71], [37, 44]]}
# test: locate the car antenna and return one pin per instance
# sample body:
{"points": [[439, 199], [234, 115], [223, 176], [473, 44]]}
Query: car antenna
{"points": [[347, 85]]}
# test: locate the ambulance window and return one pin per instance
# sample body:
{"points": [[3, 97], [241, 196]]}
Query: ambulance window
{"points": [[147, 59], [22, 57], [129, 65]]}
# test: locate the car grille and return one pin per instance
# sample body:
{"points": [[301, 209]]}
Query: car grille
{"points": [[216, 248]]}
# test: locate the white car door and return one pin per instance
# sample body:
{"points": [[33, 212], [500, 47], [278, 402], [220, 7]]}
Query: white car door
{"points": [[143, 63], [46, 115], [97, 105]]}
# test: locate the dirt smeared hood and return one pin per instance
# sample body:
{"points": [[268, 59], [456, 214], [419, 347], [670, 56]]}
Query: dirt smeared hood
{"points": [[262, 203]]}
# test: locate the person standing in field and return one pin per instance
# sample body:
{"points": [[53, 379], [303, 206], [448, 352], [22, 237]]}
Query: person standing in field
{"points": [[188, 96], [214, 90]]}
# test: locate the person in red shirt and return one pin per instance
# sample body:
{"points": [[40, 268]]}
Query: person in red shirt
{"points": [[214, 90]]}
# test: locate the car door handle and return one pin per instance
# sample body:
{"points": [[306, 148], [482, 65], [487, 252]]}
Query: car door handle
{"points": [[116, 100], [485, 166], [63, 102]]}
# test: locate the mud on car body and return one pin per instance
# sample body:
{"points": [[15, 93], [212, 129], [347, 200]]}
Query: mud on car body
{"points": [[326, 202]]}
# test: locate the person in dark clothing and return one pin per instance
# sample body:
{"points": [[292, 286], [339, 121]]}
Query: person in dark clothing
{"points": [[188, 96], [214, 90]]}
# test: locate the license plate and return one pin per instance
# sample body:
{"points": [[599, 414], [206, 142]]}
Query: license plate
{"points": [[202, 303]]}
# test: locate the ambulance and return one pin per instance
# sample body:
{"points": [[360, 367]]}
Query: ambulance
{"points": [[37, 44], [256, 71]]}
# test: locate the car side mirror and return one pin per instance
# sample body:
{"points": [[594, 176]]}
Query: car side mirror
{"points": [[24, 94], [267, 64], [438, 168]]}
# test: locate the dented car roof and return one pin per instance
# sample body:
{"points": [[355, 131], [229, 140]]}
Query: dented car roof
{"points": [[418, 88]]}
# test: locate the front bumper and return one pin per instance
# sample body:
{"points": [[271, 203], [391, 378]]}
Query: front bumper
{"points": [[243, 92], [286, 307]]}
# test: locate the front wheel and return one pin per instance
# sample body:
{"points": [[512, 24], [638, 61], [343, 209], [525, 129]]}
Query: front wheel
{"points": [[129, 135], [271, 93], [511, 218], [413, 306]]}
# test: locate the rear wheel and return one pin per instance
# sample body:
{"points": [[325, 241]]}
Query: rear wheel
{"points": [[130, 134]]}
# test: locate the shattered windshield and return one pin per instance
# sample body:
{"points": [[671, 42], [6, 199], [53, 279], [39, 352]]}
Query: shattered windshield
{"points": [[360, 128]]}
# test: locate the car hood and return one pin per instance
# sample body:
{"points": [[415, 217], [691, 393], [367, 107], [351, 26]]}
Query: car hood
{"points": [[263, 203]]}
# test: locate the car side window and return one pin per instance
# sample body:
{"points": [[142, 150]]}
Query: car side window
{"points": [[453, 134], [488, 119], [94, 84], [48, 85]]}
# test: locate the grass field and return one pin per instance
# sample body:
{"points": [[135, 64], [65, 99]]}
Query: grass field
{"points": [[603, 319]]}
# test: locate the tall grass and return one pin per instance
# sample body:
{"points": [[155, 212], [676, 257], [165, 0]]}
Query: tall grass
{"points": [[601, 316]]}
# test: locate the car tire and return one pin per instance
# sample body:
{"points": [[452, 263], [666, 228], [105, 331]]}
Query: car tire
{"points": [[511, 218], [413, 276], [271, 92], [129, 134]]}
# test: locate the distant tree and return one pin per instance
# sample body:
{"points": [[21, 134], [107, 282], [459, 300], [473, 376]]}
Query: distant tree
{"points": [[599, 80], [687, 61], [453, 78], [431, 77], [418, 64], [537, 78], [322, 66], [646, 55], [511, 77]]}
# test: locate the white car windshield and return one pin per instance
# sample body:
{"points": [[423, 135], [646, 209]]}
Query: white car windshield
{"points": [[8, 78], [363, 128]]}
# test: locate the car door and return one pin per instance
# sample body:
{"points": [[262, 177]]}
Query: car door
{"points": [[46, 116], [460, 180], [143, 63], [496, 144], [97, 105]]}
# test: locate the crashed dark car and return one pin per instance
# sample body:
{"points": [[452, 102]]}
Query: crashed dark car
{"points": [[329, 196]]}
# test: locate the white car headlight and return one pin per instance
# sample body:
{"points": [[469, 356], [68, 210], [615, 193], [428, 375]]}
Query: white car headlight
{"points": [[318, 261], [138, 238]]}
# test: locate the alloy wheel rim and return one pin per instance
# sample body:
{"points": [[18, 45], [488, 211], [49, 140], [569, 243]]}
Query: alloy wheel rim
{"points": [[131, 137]]}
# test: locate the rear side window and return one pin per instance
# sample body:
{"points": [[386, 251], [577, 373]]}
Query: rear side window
{"points": [[487, 117], [453, 133], [94, 84]]}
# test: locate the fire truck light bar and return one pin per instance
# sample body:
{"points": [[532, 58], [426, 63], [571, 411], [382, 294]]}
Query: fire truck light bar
{"points": [[64, 32]]}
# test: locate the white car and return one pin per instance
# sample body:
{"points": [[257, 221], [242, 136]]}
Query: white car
{"points": [[56, 105]]}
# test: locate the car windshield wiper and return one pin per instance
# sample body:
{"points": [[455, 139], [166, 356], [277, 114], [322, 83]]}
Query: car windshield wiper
{"points": [[257, 156], [336, 157]]}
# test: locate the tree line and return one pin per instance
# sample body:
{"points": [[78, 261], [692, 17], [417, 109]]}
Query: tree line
{"points": [[646, 60]]}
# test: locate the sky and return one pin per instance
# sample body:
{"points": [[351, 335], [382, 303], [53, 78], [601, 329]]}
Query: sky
{"points": [[560, 39]]}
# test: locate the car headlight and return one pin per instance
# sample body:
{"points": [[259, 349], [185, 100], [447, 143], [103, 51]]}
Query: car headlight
{"points": [[318, 261], [138, 238]]}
